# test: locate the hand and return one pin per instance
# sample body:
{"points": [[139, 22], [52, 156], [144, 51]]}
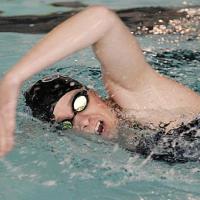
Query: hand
{"points": [[9, 89]]}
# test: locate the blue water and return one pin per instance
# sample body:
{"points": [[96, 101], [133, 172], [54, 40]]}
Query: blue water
{"points": [[45, 165]]}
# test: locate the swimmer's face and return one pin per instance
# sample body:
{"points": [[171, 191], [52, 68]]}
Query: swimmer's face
{"points": [[96, 118]]}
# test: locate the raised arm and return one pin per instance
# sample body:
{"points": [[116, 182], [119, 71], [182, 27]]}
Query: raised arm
{"points": [[114, 45]]}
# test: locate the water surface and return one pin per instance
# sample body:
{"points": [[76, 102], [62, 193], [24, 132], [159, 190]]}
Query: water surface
{"points": [[48, 164]]}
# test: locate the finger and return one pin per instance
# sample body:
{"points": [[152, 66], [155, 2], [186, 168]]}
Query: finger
{"points": [[6, 137], [10, 136], [2, 140], [6, 144], [9, 119]]}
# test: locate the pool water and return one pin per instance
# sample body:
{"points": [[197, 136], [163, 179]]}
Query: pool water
{"points": [[49, 164]]}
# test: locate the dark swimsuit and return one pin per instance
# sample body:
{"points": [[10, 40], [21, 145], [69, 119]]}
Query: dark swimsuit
{"points": [[181, 144]]}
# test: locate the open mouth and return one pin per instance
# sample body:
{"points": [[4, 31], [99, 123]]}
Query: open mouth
{"points": [[99, 128]]}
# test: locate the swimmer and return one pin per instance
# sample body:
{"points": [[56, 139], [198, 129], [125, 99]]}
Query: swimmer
{"points": [[135, 91]]}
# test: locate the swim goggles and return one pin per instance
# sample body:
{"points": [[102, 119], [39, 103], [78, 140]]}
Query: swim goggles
{"points": [[79, 103]]}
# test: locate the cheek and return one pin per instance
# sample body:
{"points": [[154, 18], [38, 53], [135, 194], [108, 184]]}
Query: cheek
{"points": [[97, 105], [98, 109]]}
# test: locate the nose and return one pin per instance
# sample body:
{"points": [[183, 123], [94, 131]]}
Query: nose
{"points": [[81, 121]]}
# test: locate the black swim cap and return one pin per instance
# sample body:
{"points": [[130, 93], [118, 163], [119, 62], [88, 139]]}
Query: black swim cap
{"points": [[42, 96]]}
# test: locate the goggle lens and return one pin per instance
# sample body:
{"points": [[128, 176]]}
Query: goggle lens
{"points": [[79, 104], [67, 125]]}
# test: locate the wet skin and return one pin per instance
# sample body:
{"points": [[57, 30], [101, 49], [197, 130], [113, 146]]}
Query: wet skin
{"points": [[128, 78], [96, 118]]}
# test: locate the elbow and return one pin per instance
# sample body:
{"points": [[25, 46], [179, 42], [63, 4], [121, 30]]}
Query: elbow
{"points": [[102, 12], [99, 9]]}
